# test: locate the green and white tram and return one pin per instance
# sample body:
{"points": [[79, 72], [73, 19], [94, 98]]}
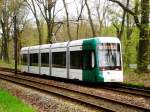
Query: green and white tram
{"points": [[96, 59]]}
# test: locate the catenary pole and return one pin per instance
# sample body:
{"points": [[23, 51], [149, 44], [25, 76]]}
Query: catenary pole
{"points": [[15, 39]]}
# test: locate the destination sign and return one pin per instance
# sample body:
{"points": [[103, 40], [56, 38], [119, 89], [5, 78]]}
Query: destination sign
{"points": [[108, 46]]}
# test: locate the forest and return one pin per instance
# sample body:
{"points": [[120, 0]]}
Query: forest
{"points": [[35, 22]]}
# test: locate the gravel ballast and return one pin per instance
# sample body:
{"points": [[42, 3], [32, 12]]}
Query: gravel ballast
{"points": [[44, 102], [61, 104]]}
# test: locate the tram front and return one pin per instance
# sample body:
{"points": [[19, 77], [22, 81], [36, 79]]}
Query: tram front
{"points": [[110, 62]]}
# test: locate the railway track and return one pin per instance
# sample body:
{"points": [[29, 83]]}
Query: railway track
{"points": [[128, 90], [91, 99]]}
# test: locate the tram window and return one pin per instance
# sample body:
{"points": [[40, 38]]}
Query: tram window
{"points": [[59, 59], [24, 59], [44, 59], [88, 60], [109, 56], [76, 59], [34, 59]]}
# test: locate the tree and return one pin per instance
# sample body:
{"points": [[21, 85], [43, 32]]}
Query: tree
{"points": [[90, 19], [47, 9], [6, 23], [0, 6], [11, 19], [32, 7], [20, 20], [16, 9], [129, 29], [79, 14], [120, 30], [68, 25], [101, 13], [143, 26]]}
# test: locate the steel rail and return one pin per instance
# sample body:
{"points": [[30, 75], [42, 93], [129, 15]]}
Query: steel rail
{"points": [[40, 87], [118, 87], [135, 92], [77, 91]]}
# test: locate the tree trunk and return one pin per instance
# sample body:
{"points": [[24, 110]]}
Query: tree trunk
{"points": [[34, 11], [144, 37], [128, 44], [4, 43], [49, 22], [90, 19], [5, 51], [39, 31], [49, 32], [122, 25], [78, 31], [68, 25]]}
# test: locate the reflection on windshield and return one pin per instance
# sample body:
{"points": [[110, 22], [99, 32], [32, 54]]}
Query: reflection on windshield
{"points": [[109, 56]]}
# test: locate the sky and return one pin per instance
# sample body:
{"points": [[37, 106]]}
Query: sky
{"points": [[72, 9]]}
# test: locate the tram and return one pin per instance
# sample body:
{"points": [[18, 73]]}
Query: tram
{"points": [[96, 59]]}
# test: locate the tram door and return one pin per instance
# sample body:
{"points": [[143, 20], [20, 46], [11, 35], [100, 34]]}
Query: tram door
{"points": [[89, 64]]}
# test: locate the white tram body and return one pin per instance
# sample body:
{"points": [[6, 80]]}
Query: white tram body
{"points": [[94, 60]]}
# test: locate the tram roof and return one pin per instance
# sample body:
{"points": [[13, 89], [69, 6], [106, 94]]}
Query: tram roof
{"points": [[108, 39], [72, 43]]}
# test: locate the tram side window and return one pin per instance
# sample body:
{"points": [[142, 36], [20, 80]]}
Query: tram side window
{"points": [[76, 59], [34, 59], [59, 59], [44, 59], [88, 60], [24, 59]]}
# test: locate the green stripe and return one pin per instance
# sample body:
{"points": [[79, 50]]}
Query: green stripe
{"points": [[92, 75]]}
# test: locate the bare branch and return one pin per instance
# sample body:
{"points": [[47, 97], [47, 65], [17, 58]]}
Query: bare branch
{"points": [[68, 25], [129, 11], [90, 19]]}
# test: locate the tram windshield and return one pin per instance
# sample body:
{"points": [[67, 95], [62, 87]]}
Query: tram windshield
{"points": [[109, 56]]}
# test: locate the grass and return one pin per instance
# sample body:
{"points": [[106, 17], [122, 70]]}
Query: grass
{"points": [[136, 84], [8, 65], [137, 79], [9, 103]]}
